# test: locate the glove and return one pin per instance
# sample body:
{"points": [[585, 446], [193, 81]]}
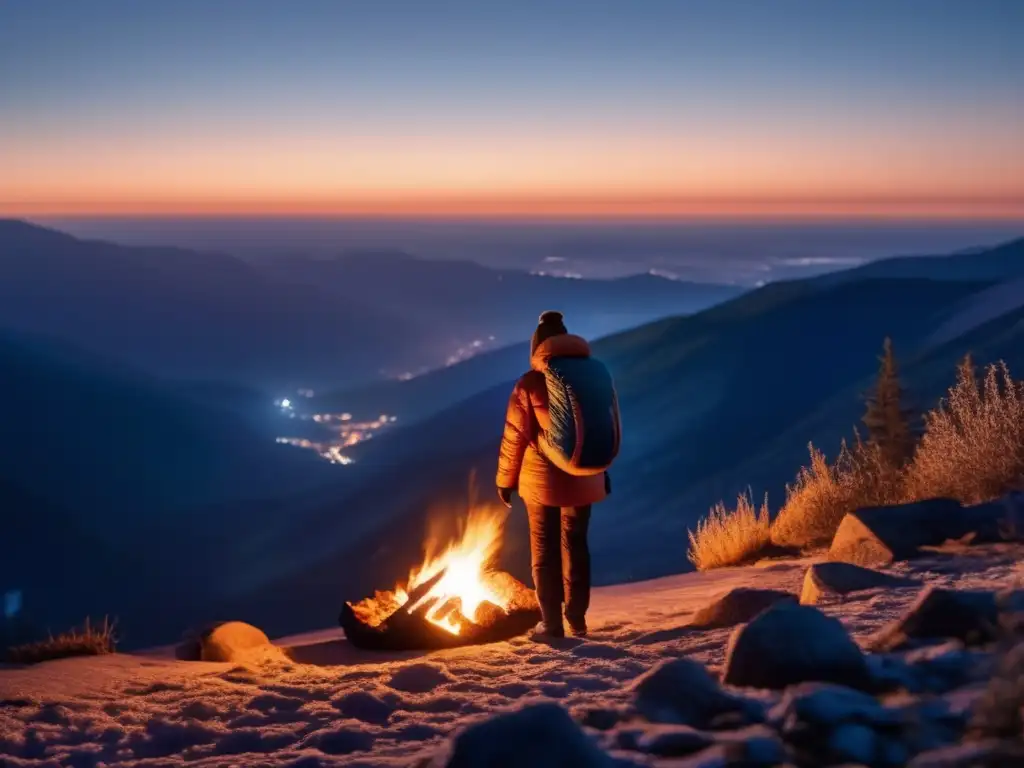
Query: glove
{"points": [[607, 484], [505, 494]]}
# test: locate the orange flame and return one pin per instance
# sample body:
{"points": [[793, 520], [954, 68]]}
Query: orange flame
{"points": [[467, 564]]}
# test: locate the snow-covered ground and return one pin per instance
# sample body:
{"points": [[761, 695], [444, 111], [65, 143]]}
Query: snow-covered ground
{"points": [[323, 703]]}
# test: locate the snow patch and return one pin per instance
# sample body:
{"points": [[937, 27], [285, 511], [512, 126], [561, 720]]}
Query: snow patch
{"points": [[354, 708]]}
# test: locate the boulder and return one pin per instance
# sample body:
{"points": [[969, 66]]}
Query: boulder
{"points": [[837, 578], [535, 736], [669, 741], [599, 718], [683, 692], [881, 535], [994, 521], [949, 665], [230, 641], [853, 743], [971, 616], [790, 644], [1013, 502], [737, 606], [828, 705]]}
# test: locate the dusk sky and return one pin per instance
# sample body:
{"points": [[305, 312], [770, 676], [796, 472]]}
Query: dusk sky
{"points": [[681, 107]]}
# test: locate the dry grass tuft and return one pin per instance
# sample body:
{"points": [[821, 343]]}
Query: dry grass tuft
{"points": [[90, 640], [823, 493], [973, 446], [730, 536], [972, 450]]}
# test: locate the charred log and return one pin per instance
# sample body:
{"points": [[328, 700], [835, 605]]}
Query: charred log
{"points": [[407, 630], [422, 591]]}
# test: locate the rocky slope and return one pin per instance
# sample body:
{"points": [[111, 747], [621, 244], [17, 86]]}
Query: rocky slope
{"points": [[802, 685]]}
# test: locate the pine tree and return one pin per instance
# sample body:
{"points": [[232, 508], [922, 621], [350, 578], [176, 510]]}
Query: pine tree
{"points": [[887, 420]]}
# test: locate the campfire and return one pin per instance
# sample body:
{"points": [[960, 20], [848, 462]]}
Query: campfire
{"points": [[454, 597]]}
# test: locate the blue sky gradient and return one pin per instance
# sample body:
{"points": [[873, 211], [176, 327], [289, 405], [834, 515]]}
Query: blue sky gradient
{"points": [[229, 105]]}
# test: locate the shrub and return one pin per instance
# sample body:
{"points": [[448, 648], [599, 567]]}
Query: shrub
{"points": [[973, 445], [90, 640], [730, 536], [824, 493]]}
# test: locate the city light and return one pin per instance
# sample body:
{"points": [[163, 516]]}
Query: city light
{"points": [[344, 433]]}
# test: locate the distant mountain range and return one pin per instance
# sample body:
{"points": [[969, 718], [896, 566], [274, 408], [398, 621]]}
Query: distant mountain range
{"points": [[462, 302], [430, 393], [999, 263], [711, 403], [180, 314], [185, 315]]}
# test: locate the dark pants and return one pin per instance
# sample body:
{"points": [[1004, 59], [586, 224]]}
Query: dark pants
{"points": [[561, 562]]}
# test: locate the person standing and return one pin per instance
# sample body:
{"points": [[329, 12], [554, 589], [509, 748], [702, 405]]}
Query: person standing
{"points": [[561, 432]]}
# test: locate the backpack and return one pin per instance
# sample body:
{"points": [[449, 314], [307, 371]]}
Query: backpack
{"points": [[585, 428]]}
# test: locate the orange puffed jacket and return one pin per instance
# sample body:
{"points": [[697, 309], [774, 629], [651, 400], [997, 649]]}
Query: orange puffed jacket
{"points": [[520, 463]]}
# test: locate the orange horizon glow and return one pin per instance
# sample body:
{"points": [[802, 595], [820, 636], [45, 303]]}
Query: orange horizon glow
{"points": [[502, 110], [652, 206], [570, 171]]}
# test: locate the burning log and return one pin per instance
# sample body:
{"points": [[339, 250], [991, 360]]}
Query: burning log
{"points": [[422, 592], [409, 628], [453, 598]]}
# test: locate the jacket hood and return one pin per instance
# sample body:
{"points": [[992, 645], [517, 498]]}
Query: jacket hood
{"points": [[563, 345]]}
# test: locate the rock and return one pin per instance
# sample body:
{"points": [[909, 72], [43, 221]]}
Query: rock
{"points": [[534, 736], [971, 616], [949, 665], [672, 741], [838, 578], [825, 704], [790, 644], [1013, 503], [853, 742], [994, 521], [881, 535], [764, 750], [890, 672], [627, 738], [737, 606], [598, 718], [229, 641], [754, 745], [682, 691]]}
